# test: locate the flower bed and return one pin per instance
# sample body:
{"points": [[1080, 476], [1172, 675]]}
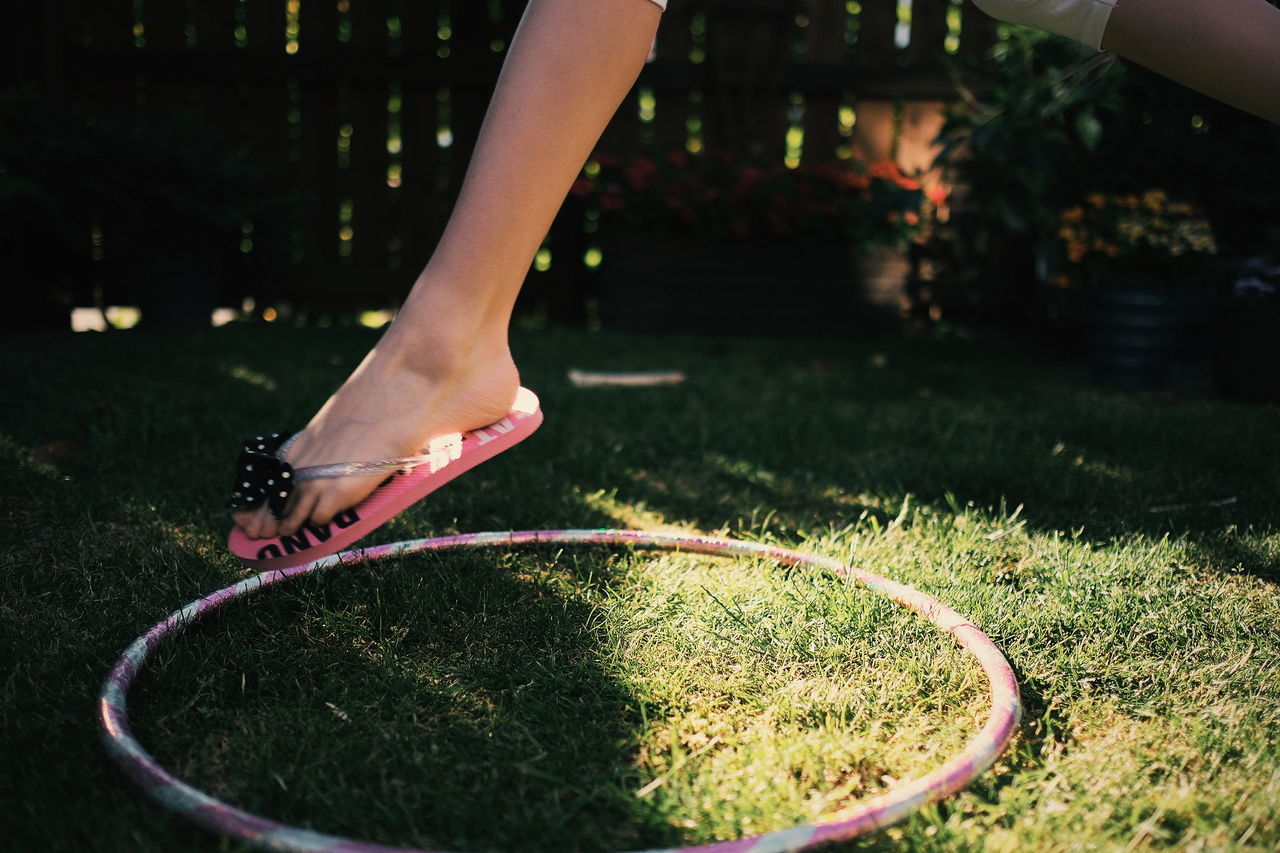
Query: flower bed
{"points": [[716, 197], [713, 244]]}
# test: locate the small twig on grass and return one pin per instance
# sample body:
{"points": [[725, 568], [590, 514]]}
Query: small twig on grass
{"points": [[648, 379]]}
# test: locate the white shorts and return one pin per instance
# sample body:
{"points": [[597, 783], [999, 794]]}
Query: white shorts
{"points": [[1082, 20], [662, 4]]}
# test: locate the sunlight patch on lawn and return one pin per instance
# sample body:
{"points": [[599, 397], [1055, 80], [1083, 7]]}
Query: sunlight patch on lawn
{"points": [[1131, 777], [27, 459], [253, 377], [787, 695], [634, 516]]}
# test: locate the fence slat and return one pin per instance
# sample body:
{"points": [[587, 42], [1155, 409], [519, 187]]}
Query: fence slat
{"points": [[748, 47], [977, 32], [419, 209], [416, 211], [419, 20], [363, 31], [369, 25], [875, 48], [366, 178], [825, 44], [668, 129], [264, 23], [165, 23], [214, 22], [928, 35]]}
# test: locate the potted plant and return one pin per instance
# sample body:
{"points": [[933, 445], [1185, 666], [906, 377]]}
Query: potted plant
{"points": [[1018, 143], [1142, 259], [723, 244]]}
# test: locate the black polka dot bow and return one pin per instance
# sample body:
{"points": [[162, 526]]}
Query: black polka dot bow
{"points": [[261, 476]]}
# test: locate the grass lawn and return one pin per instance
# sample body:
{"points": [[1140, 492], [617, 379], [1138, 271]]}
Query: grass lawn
{"points": [[597, 699]]}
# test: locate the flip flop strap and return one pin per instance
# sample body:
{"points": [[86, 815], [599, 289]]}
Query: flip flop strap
{"points": [[440, 452], [359, 469]]}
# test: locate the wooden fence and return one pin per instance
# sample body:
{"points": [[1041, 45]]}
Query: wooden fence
{"points": [[376, 103]]}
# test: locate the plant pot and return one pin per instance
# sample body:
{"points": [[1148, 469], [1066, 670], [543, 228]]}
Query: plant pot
{"points": [[744, 289], [1135, 328]]}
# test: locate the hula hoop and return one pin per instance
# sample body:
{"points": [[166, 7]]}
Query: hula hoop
{"points": [[880, 811]]}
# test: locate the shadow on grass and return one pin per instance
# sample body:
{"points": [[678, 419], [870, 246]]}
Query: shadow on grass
{"points": [[449, 701]]}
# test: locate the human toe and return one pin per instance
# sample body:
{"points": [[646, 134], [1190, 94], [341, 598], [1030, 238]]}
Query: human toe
{"points": [[330, 504], [298, 511], [256, 522]]}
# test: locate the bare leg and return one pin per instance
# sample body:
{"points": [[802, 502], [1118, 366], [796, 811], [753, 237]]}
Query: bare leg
{"points": [[1227, 49], [444, 365]]}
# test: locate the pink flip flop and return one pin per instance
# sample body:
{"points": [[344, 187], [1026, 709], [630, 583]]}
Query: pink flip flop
{"points": [[411, 479]]}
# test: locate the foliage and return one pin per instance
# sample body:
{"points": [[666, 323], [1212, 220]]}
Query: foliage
{"points": [[1148, 235], [719, 197], [1043, 119], [1024, 143]]}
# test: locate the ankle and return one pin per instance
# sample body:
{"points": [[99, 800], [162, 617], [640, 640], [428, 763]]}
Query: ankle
{"points": [[446, 351], [431, 334], [441, 327]]}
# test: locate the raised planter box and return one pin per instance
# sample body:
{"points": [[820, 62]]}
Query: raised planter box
{"points": [[750, 288]]}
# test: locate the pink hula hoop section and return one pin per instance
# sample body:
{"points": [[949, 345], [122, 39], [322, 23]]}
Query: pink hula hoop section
{"points": [[880, 811]]}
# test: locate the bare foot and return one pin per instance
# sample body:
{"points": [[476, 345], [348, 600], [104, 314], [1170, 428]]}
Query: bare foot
{"points": [[403, 394]]}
